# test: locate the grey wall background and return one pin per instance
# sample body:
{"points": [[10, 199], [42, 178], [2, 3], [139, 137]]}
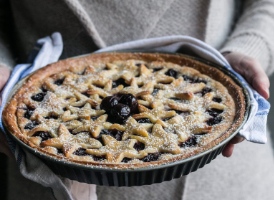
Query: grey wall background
{"points": [[270, 119]]}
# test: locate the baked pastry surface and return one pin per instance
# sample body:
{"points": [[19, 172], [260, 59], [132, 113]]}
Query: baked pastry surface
{"points": [[125, 110]]}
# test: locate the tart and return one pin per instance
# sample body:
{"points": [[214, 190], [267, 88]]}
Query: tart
{"points": [[125, 110]]}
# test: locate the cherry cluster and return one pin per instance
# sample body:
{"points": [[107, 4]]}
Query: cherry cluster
{"points": [[119, 107]]}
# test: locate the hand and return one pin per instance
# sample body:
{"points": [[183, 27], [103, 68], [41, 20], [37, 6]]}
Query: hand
{"points": [[253, 72], [4, 76]]}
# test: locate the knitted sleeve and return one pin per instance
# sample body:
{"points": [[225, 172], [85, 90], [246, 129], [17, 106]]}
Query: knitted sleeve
{"points": [[253, 34], [6, 57]]}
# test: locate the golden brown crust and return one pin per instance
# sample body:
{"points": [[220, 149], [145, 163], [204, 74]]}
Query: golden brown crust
{"points": [[77, 64]]}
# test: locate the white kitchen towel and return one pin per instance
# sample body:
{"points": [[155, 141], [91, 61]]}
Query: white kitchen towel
{"points": [[46, 50], [49, 49]]}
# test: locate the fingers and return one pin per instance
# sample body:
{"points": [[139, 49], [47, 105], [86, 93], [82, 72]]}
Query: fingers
{"points": [[251, 70], [4, 75], [228, 150], [256, 76], [261, 84], [236, 140]]}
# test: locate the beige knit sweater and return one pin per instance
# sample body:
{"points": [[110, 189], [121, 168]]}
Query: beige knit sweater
{"points": [[86, 25]]}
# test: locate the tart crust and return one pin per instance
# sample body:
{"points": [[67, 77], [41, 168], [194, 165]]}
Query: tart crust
{"points": [[79, 64]]}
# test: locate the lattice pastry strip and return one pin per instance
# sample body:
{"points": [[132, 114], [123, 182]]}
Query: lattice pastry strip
{"points": [[159, 141], [94, 127], [115, 150], [69, 143]]}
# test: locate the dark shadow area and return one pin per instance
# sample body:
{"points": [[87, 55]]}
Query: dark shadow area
{"points": [[3, 176], [270, 120]]}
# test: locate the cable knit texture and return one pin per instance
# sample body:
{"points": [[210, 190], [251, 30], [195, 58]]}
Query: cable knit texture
{"points": [[87, 25], [253, 34]]}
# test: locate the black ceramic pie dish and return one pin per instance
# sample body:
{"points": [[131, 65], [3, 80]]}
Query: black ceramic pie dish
{"points": [[144, 175]]}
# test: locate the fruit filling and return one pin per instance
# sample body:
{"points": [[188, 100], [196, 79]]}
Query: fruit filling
{"points": [[119, 107]]}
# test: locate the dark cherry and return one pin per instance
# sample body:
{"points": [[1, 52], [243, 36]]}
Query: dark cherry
{"points": [[200, 134], [60, 151], [120, 113], [194, 80], [44, 89], [187, 78], [175, 99], [98, 158], [28, 113], [51, 116], [217, 99], [168, 118], [200, 81], [143, 120], [59, 81], [65, 109], [111, 132], [165, 83], [71, 131], [86, 94], [151, 157], [81, 106], [157, 69], [214, 112], [141, 85], [44, 135], [110, 118], [118, 82], [179, 112], [126, 160], [204, 91], [108, 103], [31, 125], [83, 72], [192, 141], [171, 72], [214, 120], [80, 152], [139, 65], [94, 117], [38, 97], [155, 91], [138, 146], [119, 95], [131, 101]]}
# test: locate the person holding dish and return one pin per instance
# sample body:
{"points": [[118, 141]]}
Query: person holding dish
{"points": [[236, 28]]}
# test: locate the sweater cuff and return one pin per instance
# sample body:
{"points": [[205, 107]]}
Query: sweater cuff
{"points": [[252, 45]]}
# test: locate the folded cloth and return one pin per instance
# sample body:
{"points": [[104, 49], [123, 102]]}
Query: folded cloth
{"points": [[48, 50]]}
